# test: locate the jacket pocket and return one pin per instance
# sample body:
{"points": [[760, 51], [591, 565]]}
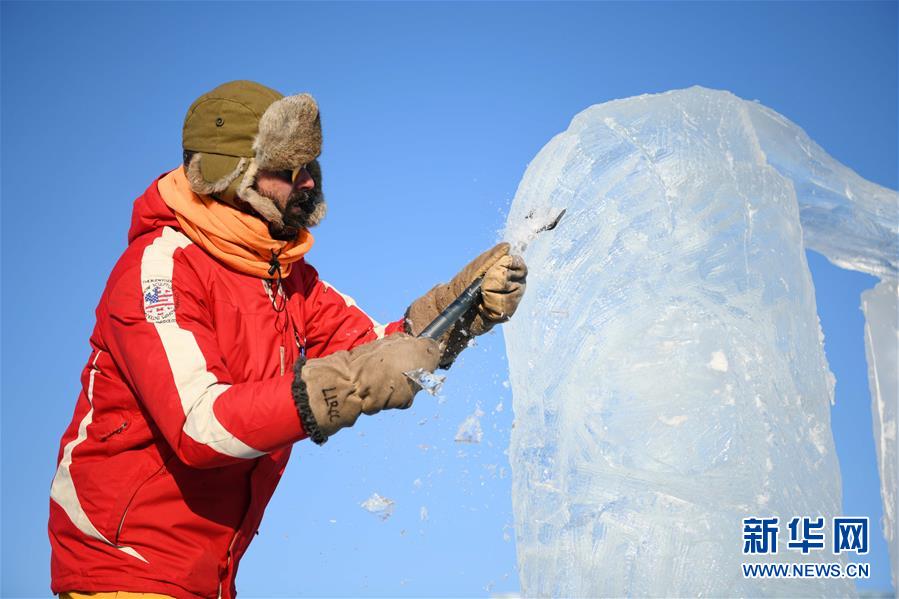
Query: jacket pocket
{"points": [[129, 500], [106, 435]]}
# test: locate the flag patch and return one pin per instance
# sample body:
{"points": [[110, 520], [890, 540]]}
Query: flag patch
{"points": [[159, 301]]}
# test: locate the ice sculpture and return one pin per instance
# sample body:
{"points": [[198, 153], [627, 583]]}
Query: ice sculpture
{"points": [[881, 331], [667, 365]]}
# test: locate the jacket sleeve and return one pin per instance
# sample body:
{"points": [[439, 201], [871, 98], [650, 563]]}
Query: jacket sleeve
{"points": [[161, 336], [333, 320]]}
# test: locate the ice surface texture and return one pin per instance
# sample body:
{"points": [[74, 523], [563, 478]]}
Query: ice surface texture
{"points": [[666, 363], [881, 331]]}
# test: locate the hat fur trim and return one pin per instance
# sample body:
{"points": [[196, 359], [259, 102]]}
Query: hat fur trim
{"points": [[290, 134], [199, 183], [318, 215], [266, 207], [321, 208]]}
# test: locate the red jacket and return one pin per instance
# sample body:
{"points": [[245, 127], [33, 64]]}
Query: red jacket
{"points": [[185, 420]]}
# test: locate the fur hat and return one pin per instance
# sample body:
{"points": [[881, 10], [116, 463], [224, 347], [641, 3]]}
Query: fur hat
{"points": [[241, 127]]}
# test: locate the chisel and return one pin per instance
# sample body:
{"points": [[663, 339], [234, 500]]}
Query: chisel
{"points": [[452, 313]]}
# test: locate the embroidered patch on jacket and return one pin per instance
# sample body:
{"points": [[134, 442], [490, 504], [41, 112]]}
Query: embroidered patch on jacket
{"points": [[159, 300]]}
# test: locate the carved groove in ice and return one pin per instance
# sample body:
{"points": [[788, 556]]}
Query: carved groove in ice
{"points": [[667, 366]]}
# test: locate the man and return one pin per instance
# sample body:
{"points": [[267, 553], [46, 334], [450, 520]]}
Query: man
{"points": [[217, 347]]}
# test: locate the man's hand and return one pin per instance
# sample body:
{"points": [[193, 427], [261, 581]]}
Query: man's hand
{"points": [[331, 392], [501, 291]]}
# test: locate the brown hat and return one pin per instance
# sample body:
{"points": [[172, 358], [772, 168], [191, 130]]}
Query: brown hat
{"points": [[240, 127]]}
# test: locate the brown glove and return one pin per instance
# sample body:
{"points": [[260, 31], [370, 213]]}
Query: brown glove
{"points": [[331, 392], [501, 291]]}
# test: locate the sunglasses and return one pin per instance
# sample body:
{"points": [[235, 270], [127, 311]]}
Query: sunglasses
{"points": [[290, 175]]}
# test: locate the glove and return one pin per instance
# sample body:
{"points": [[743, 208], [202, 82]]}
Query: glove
{"points": [[331, 392], [501, 292]]}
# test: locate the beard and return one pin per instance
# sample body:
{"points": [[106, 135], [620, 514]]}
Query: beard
{"points": [[305, 208]]}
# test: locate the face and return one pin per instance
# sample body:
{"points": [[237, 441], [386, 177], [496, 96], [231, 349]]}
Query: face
{"points": [[296, 200]]}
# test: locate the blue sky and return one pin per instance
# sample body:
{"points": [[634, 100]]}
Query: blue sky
{"points": [[431, 112]]}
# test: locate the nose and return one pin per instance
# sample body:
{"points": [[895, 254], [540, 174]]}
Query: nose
{"points": [[304, 180]]}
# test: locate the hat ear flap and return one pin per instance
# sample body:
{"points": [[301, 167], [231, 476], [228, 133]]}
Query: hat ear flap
{"points": [[199, 183], [318, 215], [315, 171], [321, 207], [261, 204]]}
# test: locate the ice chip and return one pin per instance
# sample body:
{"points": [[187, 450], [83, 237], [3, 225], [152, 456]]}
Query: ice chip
{"points": [[430, 382], [382, 507], [470, 430], [520, 234]]}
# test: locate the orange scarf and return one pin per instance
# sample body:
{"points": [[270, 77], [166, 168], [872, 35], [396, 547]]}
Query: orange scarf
{"points": [[239, 240]]}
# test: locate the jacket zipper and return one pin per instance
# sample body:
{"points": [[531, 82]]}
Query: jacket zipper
{"points": [[273, 291], [228, 561], [121, 428]]}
